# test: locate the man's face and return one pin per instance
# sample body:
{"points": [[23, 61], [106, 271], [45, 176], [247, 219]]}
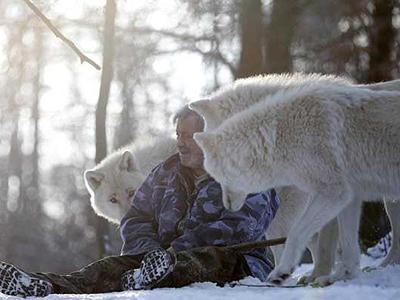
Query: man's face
{"points": [[190, 154]]}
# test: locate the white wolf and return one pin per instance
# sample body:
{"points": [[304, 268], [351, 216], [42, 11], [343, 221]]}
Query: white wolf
{"points": [[116, 178], [246, 92], [337, 143]]}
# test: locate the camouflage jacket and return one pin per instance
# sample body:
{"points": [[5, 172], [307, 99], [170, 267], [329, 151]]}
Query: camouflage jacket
{"points": [[172, 209]]}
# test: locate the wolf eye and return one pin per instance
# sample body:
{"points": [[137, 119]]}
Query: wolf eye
{"points": [[113, 200], [131, 193]]}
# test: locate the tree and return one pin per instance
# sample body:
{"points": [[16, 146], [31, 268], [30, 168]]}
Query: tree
{"points": [[251, 60], [381, 36], [101, 110], [280, 35]]}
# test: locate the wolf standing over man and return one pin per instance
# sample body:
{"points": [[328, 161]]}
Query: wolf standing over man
{"points": [[339, 144], [176, 219]]}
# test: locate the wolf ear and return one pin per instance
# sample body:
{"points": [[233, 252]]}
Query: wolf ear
{"points": [[127, 162], [205, 109], [206, 140], [93, 179], [200, 106]]}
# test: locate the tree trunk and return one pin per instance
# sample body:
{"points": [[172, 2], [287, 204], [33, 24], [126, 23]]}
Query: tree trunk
{"points": [[382, 36], [251, 35], [101, 110], [127, 125], [280, 34], [33, 207]]}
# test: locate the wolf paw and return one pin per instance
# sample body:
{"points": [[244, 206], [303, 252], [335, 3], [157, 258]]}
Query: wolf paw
{"points": [[306, 279], [339, 274], [322, 281], [310, 277], [277, 278]]}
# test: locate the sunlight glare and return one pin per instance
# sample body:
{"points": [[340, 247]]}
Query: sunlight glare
{"points": [[54, 209], [58, 77]]}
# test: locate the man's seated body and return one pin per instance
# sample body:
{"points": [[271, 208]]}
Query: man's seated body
{"points": [[179, 208]]}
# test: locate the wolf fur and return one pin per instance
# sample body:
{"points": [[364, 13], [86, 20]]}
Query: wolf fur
{"points": [[337, 143], [246, 92], [114, 180]]}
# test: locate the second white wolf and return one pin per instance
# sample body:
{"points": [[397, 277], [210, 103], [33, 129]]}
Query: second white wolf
{"points": [[113, 181], [340, 144]]}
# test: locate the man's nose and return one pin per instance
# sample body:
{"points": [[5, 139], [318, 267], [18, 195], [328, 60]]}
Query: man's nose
{"points": [[180, 142]]}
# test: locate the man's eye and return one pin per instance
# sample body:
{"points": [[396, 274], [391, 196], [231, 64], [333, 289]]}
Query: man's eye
{"points": [[113, 200], [131, 193]]}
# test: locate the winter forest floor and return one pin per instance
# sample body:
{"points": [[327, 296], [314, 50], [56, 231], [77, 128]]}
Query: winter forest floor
{"points": [[379, 284]]}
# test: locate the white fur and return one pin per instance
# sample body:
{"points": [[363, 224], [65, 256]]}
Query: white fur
{"points": [[245, 92], [122, 172], [337, 143]]}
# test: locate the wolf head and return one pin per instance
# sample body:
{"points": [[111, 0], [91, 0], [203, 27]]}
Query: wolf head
{"points": [[230, 170], [112, 183]]}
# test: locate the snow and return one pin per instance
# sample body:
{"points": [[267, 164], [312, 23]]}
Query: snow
{"points": [[381, 283]]}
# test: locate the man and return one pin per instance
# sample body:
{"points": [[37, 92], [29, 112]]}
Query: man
{"points": [[178, 208]]}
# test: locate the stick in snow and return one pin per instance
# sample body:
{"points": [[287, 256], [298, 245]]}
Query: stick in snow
{"points": [[260, 244]]}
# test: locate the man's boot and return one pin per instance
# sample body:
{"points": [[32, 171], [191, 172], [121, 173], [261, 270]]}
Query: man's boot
{"points": [[15, 282], [162, 268]]}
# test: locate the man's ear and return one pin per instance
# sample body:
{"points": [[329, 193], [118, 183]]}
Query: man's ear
{"points": [[206, 141], [206, 109], [93, 179], [128, 162]]}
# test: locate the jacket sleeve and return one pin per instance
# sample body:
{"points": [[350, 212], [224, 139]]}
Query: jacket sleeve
{"points": [[219, 226], [138, 228]]}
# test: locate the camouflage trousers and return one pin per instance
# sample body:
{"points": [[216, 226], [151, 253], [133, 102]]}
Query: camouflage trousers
{"points": [[214, 264]]}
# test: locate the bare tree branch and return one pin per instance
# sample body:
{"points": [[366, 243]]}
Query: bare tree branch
{"points": [[192, 40], [184, 37], [214, 54], [58, 34]]}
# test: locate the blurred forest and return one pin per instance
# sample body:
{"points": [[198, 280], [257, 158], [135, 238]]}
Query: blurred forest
{"points": [[58, 117]]}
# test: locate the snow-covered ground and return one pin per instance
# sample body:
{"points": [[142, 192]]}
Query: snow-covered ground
{"points": [[379, 284]]}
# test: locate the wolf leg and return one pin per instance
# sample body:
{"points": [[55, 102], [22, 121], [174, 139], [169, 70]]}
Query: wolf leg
{"points": [[393, 211], [293, 202], [348, 261], [323, 248], [322, 207], [280, 227]]}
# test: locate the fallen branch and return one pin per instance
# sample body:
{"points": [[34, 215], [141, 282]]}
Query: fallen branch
{"points": [[253, 245], [58, 34]]}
